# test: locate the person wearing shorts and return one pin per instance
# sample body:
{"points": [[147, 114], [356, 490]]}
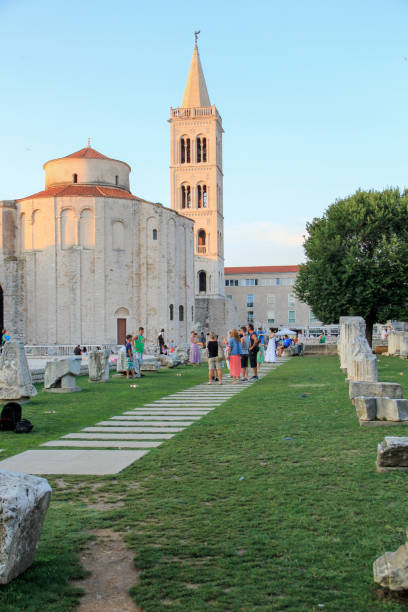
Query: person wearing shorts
{"points": [[213, 360], [244, 357]]}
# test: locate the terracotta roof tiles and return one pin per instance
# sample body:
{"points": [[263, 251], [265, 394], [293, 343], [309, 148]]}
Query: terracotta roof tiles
{"points": [[91, 191]]}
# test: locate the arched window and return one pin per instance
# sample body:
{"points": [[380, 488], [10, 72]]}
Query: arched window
{"points": [[185, 150], [201, 241], [201, 196], [155, 234], [171, 309], [202, 281], [201, 149], [192, 313], [185, 196], [181, 313], [116, 180], [74, 178]]}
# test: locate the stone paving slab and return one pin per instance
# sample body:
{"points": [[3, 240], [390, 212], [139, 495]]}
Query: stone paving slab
{"points": [[80, 462], [141, 436], [143, 423], [118, 436], [95, 444], [141, 428], [153, 417]]}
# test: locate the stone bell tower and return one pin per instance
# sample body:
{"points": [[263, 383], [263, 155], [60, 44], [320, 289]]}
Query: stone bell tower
{"points": [[196, 178]]}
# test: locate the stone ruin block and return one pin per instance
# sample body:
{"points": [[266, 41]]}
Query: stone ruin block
{"points": [[359, 388], [15, 378], [24, 502], [150, 364], [394, 342], [391, 569], [350, 328], [366, 408], [98, 365], [389, 409], [381, 409], [59, 375], [392, 454], [363, 361], [121, 362]]}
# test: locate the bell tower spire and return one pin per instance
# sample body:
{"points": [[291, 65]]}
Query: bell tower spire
{"points": [[195, 93], [196, 177]]}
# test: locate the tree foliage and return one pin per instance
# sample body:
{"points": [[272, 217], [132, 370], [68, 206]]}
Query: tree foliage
{"points": [[357, 259]]}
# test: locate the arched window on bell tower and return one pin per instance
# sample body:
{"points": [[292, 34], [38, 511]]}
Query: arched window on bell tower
{"points": [[202, 281], [201, 241], [185, 150], [185, 196], [201, 149], [201, 196]]}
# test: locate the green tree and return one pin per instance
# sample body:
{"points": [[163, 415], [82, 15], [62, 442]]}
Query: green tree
{"points": [[357, 259]]}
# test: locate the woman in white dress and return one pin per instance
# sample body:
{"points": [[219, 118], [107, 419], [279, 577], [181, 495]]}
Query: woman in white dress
{"points": [[270, 355]]}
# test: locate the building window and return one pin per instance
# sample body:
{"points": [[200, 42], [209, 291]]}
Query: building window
{"points": [[248, 282], [202, 281], [185, 153], [201, 149], [271, 317], [171, 312], [292, 316], [116, 180], [201, 241], [155, 234], [291, 300], [229, 297], [192, 313], [250, 316], [74, 178], [185, 196], [250, 300], [201, 196], [181, 313]]}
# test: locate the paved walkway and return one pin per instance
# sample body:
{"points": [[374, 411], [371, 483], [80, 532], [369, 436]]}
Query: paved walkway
{"points": [[139, 429]]}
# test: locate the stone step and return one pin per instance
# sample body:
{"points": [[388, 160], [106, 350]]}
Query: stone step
{"points": [[95, 444], [141, 436], [144, 423]]}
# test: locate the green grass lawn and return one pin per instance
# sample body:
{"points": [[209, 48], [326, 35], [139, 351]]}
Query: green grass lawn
{"points": [[270, 502]]}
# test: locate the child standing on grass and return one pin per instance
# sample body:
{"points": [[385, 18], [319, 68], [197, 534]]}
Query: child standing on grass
{"points": [[130, 366]]}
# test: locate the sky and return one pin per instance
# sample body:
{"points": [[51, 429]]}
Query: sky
{"points": [[313, 97]]}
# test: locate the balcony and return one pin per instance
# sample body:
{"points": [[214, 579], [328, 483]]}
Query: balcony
{"points": [[186, 113], [202, 249]]}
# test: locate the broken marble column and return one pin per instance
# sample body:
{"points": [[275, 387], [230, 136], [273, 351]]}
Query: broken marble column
{"points": [[363, 361], [394, 342], [98, 365], [350, 327], [121, 362], [391, 569], [15, 378], [24, 502], [358, 388], [150, 364], [403, 347], [392, 454], [59, 375]]}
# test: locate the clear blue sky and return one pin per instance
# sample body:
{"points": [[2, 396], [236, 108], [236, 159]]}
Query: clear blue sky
{"points": [[313, 97]]}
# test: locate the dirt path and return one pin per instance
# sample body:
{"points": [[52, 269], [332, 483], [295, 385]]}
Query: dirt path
{"points": [[113, 574]]}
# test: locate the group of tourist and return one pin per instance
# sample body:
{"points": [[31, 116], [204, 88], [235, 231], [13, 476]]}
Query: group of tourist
{"points": [[134, 347]]}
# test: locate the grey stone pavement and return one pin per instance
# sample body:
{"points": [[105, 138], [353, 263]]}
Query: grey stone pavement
{"points": [[110, 446]]}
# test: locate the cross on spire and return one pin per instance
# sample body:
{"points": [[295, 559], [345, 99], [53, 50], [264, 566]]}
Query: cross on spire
{"points": [[196, 33]]}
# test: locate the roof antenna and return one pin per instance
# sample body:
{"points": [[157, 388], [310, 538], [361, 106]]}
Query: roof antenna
{"points": [[89, 142], [196, 33]]}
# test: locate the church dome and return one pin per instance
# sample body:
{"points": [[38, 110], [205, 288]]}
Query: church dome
{"points": [[87, 167]]}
